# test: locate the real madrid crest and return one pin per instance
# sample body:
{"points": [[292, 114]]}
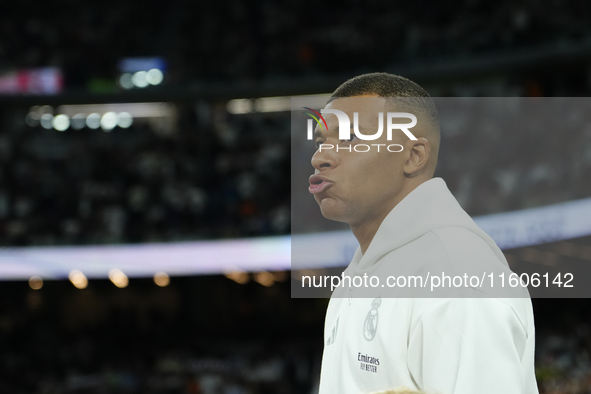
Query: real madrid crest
{"points": [[370, 325]]}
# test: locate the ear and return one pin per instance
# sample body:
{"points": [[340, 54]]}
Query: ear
{"points": [[419, 152]]}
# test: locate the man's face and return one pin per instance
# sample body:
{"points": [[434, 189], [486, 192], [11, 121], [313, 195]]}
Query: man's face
{"points": [[354, 187]]}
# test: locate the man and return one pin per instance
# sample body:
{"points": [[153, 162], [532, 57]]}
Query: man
{"points": [[406, 221]]}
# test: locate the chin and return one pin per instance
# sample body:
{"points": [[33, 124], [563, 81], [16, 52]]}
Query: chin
{"points": [[332, 210]]}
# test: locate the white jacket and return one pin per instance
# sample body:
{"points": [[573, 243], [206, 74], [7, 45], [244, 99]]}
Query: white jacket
{"points": [[450, 345]]}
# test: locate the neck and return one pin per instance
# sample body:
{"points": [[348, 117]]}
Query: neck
{"points": [[366, 230]]}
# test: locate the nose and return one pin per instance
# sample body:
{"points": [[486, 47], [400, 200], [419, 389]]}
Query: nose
{"points": [[323, 159]]}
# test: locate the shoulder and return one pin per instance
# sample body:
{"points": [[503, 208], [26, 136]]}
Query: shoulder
{"points": [[514, 315], [451, 249], [460, 242], [450, 243], [469, 253]]}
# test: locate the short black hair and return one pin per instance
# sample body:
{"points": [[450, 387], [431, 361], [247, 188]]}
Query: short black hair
{"points": [[382, 84], [390, 85]]}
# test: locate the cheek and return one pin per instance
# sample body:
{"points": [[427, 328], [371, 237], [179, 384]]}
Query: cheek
{"points": [[375, 172], [359, 176], [373, 163]]}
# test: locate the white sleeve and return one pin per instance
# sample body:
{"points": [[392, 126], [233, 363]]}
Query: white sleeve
{"points": [[469, 346]]}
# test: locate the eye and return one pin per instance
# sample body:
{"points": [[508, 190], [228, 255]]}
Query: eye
{"points": [[318, 143], [352, 137]]}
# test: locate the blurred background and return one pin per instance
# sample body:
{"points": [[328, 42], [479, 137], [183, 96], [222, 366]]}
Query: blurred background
{"points": [[144, 178]]}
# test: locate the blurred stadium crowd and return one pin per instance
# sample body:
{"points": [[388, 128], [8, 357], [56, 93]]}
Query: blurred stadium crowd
{"points": [[564, 361], [226, 178], [249, 41], [563, 346], [526, 162], [168, 368], [144, 339]]}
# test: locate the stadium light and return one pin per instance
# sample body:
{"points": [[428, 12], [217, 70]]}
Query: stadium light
{"points": [[61, 122], [154, 76], [47, 121], [161, 279], [118, 278], [78, 121], [32, 119], [125, 81], [240, 277], [93, 121], [139, 80], [136, 110], [124, 120], [271, 104], [36, 283], [78, 279], [109, 121], [264, 278], [239, 106]]}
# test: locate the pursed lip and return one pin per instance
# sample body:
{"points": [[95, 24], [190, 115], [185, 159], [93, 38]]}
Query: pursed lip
{"points": [[319, 183]]}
